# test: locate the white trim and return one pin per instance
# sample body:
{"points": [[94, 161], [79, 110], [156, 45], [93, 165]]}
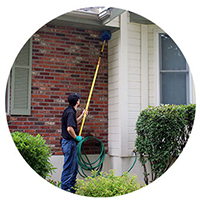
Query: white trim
{"points": [[144, 68], [123, 85], [192, 98], [188, 81], [190, 87], [157, 31]]}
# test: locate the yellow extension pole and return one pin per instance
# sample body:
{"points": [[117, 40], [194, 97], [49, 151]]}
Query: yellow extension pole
{"points": [[92, 87]]}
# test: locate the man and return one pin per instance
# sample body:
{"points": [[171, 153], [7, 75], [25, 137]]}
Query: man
{"points": [[69, 142]]}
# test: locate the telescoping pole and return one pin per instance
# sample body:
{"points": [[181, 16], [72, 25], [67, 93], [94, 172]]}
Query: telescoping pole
{"points": [[92, 87], [106, 35]]}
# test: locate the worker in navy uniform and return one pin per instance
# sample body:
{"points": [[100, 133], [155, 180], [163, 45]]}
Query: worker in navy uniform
{"points": [[70, 138]]}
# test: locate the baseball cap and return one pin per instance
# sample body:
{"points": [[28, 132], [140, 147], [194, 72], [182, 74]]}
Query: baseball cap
{"points": [[73, 98]]}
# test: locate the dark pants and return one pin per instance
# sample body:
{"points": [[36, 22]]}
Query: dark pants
{"points": [[70, 166]]}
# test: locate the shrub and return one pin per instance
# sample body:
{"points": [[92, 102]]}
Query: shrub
{"points": [[163, 132], [107, 185], [55, 183], [35, 152]]}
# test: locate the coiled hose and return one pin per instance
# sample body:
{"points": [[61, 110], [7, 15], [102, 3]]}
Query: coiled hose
{"points": [[86, 165]]}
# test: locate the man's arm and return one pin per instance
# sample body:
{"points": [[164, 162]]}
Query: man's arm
{"points": [[71, 132], [79, 119]]}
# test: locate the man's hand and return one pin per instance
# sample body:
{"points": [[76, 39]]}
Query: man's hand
{"points": [[85, 112], [79, 119], [78, 138]]}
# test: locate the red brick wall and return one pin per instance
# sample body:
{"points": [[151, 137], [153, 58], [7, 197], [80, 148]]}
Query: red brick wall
{"points": [[64, 61]]}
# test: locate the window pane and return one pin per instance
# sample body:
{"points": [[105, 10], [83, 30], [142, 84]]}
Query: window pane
{"points": [[171, 56], [173, 88]]}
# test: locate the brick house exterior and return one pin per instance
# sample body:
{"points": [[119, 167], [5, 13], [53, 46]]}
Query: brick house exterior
{"points": [[64, 61]]}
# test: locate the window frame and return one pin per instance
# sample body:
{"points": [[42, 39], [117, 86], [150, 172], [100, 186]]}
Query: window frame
{"points": [[161, 71]]}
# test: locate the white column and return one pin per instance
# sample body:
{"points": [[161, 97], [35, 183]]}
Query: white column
{"points": [[144, 67], [123, 85]]}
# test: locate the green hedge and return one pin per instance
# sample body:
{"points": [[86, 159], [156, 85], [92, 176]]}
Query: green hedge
{"points": [[107, 185], [35, 152], [163, 132]]}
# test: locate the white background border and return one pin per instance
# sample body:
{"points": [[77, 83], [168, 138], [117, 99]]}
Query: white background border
{"points": [[19, 20]]}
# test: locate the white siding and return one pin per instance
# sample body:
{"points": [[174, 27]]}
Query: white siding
{"points": [[113, 94], [152, 67], [134, 81], [133, 54], [133, 84]]}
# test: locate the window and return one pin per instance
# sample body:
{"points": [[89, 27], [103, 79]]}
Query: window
{"points": [[21, 81], [174, 73]]}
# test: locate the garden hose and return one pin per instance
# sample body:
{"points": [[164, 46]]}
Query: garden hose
{"points": [[86, 165], [134, 151]]}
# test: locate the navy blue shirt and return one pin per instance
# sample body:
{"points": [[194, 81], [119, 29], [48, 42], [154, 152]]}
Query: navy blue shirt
{"points": [[69, 120]]}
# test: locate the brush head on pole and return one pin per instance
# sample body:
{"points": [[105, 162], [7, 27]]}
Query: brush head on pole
{"points": [[106, 35]]}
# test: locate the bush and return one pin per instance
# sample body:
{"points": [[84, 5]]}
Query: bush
{"points": [[55, 183], [34, 151], [163, 132], [107, 185]]}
